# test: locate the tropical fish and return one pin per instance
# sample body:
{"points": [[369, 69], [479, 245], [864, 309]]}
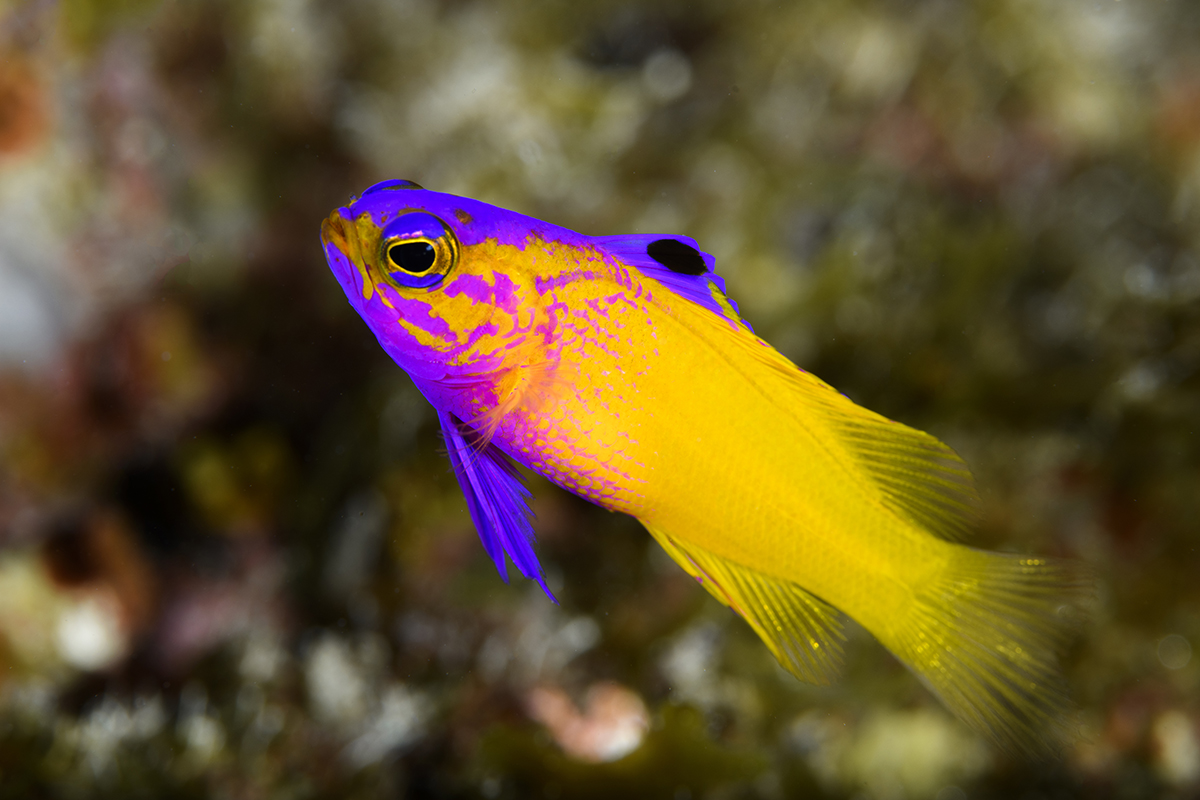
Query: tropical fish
{"points": [[617, 367]]}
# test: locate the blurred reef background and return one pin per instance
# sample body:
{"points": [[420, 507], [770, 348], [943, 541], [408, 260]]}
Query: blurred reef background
{"points": [[233, 561]]}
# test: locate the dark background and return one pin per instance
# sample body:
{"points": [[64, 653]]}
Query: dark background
{"points": [[233, 562]]}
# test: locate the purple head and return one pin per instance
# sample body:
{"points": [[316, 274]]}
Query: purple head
{"points": [[449, 285]]}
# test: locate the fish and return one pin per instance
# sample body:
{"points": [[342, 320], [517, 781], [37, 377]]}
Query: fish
{"points": [[618, 368]]}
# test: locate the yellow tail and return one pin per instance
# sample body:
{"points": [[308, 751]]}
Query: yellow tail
{"points": [[985, 638]]}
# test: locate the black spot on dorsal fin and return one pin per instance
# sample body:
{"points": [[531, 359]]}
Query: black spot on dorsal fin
{"points": [[677, 256]]}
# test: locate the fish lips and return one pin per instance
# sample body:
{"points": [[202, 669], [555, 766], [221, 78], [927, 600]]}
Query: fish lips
{"points": [[339, 240]]}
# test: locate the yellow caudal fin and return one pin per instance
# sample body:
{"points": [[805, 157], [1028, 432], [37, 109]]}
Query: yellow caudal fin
{"points": [[802, 631], [985, 637]]}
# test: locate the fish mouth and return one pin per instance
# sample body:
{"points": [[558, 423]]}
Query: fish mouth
{"points": [[342, 243], [336, 230]]}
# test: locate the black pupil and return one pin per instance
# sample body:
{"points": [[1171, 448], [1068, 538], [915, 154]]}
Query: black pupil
{"points": [[412, 256]]}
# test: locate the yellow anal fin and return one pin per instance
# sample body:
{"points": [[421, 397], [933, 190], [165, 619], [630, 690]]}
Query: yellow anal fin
{"points": [[985, 636], [802, 631]]}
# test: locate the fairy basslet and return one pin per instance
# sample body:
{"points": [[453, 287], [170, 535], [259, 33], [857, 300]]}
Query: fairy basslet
{"points": [[616, 367]]}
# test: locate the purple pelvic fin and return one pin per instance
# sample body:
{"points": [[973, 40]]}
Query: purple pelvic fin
{"points": [[496, 496]]}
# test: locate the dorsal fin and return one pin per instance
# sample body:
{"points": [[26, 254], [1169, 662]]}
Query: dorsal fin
{"points": [[679, 264], [916, 475], [919, 477]]}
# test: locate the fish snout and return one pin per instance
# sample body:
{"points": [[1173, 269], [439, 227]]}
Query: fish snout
{"points": [[337, 230], [342, 242]]}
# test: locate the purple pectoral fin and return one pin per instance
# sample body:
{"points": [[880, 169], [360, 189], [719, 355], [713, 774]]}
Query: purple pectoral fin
{"points": [[496, 497]]}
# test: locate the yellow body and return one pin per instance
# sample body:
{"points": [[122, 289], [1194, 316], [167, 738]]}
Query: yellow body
{"points": [[793, 505], [758, 477]]}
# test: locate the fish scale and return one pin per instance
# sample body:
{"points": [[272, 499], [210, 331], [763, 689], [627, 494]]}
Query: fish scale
{"points": [[616, 367], [773, 488]]}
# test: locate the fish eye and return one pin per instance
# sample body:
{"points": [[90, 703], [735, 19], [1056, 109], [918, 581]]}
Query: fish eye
{"points": [[416, 251], [415, 257]]}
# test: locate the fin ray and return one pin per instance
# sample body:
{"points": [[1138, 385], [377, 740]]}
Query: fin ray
{"points": [[803, 632], [985, 636], [529, 388], [913, 473], [496, 497]]}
